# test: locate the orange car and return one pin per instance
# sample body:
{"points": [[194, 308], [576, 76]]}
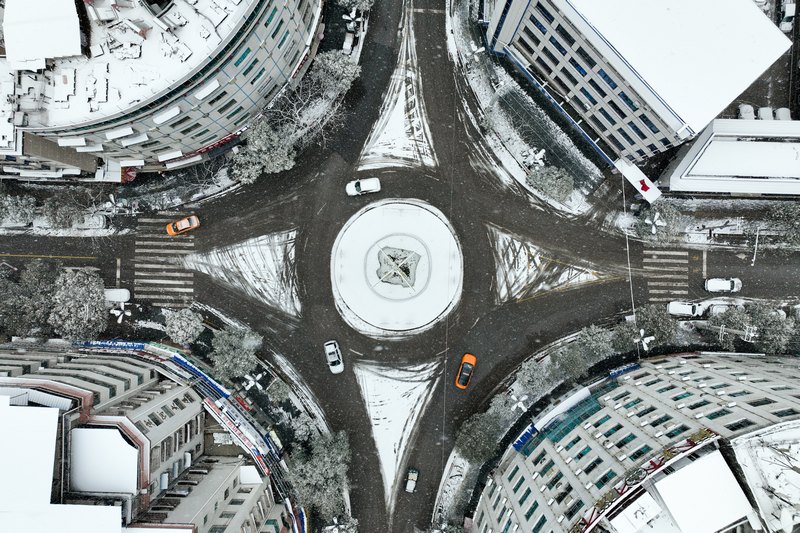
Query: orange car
{"points": [[183, 225], [465, 370]]}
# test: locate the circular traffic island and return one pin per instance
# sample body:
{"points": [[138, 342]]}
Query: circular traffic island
{"points": [[396, 268]]}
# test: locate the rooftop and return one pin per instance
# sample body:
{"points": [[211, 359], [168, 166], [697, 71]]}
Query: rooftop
{"points": [[693, 56], [134, 54]]}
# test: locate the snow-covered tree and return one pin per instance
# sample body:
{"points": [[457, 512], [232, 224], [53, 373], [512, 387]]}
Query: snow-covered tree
{"points": [[346, 524], [320, 475], [268, 151], [234, 351], [660, 223], [569, 363], [333, 73], [78, 305], [772, 332], [183, 326], [18, 210], [303, 427], [361, 5], [535, 378], [278, 391], [478, 436], [61, 211], [553, 182], [786, 217], [625, 336], [444, 528], [735, 318], [596, 343], [26, 302]]}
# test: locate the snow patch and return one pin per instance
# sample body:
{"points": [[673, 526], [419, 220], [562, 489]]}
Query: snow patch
{"points": [[303, 392], [401, 135], [262, 267], [395, 398], [149, 324]]}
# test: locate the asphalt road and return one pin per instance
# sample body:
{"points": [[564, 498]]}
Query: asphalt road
{"points": [[311, 199]]}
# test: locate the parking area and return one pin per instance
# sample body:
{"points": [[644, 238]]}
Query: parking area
{"points": [[777, 87]]}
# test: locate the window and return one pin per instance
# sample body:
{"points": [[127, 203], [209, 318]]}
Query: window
{"points": [[531, 510], [630, 103], [271, 16], [564, 493], [227, 106], [649, 123], [217, 529], [594, 464], [539, 525], [277, 29], [616, 108], [569, 76], [631, 142], [740, 424], [619, 397], [632, 125], [527, 47], [583, 453], [578, 67], [600, 91], [586, 57], [631, 403], [625, 440], [739, 393], [558, 46], [530, 35], [195, 136], [189, 130], [682, 396], [588, 96], [573, 509], [606, 78], [610, 120], [524, 496], [565, 35], [717, 414], [605, 478], [550, 56], [544, 66], [665, 389], [236, 501], [242, 57], [513, 473], [640, 452], [602, 421], [554, 480], [645, 411], [519, 483], [785, 412], [600, 126], [545, 13], [677, 431], [257, 76], [250, 67], [283, 39], [716, 386], [652, 382], [652, 148], [760, 402], [572, 443], [538, 24], [698, 405], [546, 468], [177, 123], [616, 142], [612, 430], [217, 98], [660, 420], [781, 388]]}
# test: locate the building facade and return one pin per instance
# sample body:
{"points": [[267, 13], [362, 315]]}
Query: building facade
{"points": [[563, 472], [132, 437], [161, 84], [637, 77]]}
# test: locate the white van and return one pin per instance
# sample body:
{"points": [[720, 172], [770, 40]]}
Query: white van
{"points": [[117, 296]]}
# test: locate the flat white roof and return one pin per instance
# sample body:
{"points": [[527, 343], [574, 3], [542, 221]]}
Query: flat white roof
{"points": [[101, 460], [693, 56], [36, 30], [65, 519], [27, 455], [703, 496], [634, 517]]}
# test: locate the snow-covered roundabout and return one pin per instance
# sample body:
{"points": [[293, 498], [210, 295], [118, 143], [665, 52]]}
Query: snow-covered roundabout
{"points": [[396, 268]]}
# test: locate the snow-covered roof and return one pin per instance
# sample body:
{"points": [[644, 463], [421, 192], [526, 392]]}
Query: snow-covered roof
{"points": [[133, 58], [101, 460], [690, 57], [703, 496], [742, 156], [36, 30], [770, 460], [634, 517]]}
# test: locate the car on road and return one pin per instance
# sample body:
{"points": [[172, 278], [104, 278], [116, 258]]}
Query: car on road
{"points": [[116, 296], [747, 112], [723, 285], [183, 225], [685, 309], [787, 20], [465, 371], [766, 113], [411, 480], [334, 357], [365, 186]]}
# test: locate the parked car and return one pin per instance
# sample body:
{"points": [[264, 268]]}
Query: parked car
{"points": [[718, 309], [117, 296], [783, 113], [183, 225], [723, 285], [411, 480], [334, 357], [787, 20], [464, 375], [747, 112], [365, 186], [765, 113], [685, 309]]}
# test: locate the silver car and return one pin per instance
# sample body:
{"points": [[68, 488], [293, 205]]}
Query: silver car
{"points": [[334, 357], [685, 309], [723, 285]]}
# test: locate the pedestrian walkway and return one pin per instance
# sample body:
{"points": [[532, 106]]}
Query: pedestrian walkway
{"points": [[159, 277], [667, 274]]}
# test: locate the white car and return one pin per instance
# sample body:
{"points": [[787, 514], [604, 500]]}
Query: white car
{"points": [[766, 113], [685, 309], [365, 186], [787, 22], [411, 480], [747, 112], [334, 357], [723, 285], [718, 309]]}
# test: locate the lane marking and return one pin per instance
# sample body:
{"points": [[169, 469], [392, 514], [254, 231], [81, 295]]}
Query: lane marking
{"points": [[51, 256], [150, 281], [705, 253], [674, 261], [666, 252], [666, 269], [666, 291], [668, 283], [119, 267]]}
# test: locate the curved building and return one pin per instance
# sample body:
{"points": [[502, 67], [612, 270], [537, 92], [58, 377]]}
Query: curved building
{"points": [[146, 83]]}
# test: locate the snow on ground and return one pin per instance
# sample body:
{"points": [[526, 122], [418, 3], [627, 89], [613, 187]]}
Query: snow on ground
{"points": [[522, 270], [455, 473], [497, 93], [303, 392], [395, 398], [149, 324], [219, 314], [262, 267], [401, 135]]}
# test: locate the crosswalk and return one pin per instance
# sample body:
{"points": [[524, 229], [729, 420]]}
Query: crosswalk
{"points": [[159, 278], [667, 274]]}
